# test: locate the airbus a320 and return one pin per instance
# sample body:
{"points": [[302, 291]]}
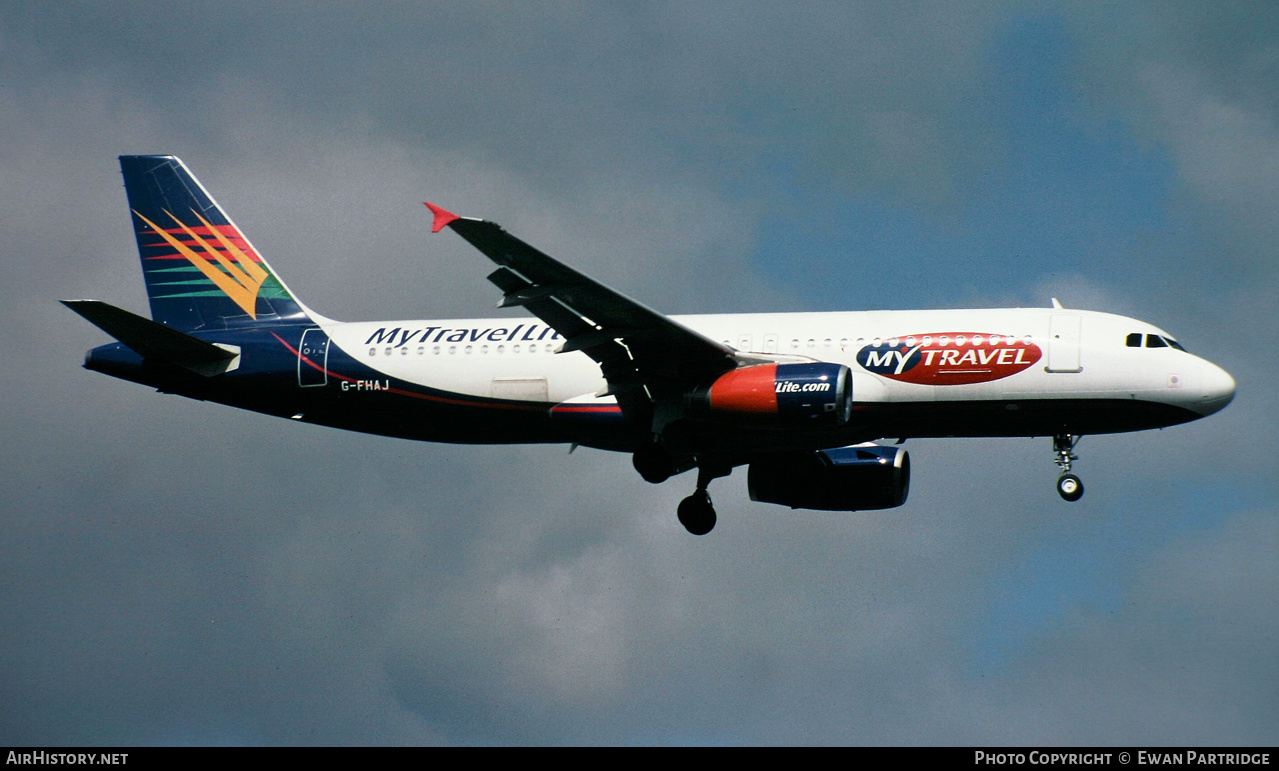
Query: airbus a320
{"points": [[800, 399]]}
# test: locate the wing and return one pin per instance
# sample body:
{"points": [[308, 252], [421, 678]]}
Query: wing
{"points": [[636, 347]]}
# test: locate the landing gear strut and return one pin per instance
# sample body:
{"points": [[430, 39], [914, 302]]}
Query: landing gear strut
{"points": [[696, 512], [1068, 485]]}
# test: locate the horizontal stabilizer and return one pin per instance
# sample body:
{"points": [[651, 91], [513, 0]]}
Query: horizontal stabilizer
{"points": [[152, 340]]}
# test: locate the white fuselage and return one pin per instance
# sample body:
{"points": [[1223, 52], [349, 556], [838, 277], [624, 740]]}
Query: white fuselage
{"points": [[1081, 355]]}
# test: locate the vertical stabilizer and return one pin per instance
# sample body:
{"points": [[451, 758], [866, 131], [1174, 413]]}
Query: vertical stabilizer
{"points": [[201, 272]]}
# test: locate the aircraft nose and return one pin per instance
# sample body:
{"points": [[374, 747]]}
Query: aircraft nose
{"points": [[1217, 391]]}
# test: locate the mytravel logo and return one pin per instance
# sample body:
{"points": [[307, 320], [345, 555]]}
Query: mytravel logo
{"points": [[240, 280], [949, 358]]}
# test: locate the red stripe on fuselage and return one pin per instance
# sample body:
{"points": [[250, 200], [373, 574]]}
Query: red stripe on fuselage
{"points": [[588, 408]]}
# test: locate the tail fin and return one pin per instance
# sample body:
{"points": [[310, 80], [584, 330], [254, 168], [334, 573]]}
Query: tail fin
{"points": [[201, 272]]}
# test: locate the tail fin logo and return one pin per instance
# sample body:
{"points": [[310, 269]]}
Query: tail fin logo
{"points": [[240, 280]]}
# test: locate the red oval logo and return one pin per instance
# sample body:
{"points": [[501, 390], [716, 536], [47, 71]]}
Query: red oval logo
{"points": [[949, 358]]}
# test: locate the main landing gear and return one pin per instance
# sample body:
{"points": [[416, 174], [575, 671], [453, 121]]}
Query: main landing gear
{"points": [[1068, 485], [696, 512]]}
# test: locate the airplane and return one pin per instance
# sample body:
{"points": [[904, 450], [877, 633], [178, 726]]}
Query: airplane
{"points": [[801, 399]]}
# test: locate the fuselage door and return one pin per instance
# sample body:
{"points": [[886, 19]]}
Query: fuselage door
{"points": [[313, 358], [1063, 342]]}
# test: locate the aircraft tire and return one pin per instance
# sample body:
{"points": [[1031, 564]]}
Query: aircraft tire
{"points": [[1070, 488], [696, 513]]}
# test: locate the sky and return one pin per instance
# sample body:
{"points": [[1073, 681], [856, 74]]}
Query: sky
{"points": [[176, 572]]}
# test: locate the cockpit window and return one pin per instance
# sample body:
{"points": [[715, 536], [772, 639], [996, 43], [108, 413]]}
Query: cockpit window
{"points": [[1134, 340]]}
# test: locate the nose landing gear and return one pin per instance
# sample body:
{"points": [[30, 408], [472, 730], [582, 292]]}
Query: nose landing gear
{"points": [[1068, 485]]}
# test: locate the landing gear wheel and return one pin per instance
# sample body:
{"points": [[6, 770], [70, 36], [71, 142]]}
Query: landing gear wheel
{"points": [[696, 513], [1070, 488]]}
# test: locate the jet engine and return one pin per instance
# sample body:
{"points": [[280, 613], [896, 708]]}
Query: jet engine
{"points": [[854, 478], [793, 395]]}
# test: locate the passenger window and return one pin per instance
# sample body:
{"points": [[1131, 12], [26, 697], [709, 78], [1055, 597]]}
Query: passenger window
{"points": [[1155, 341], [1133, 340]]}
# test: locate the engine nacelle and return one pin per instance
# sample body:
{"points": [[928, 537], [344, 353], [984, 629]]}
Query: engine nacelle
{"points": [[842, 479], [808, 394]]}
